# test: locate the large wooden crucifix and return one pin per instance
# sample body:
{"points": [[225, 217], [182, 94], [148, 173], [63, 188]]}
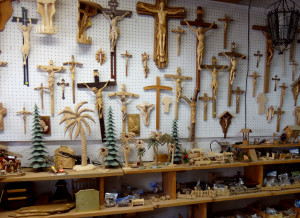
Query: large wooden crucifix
{"points": [[41, 89], [97, 88], [162, 12], [124, 97], [269, 54], [234, 57], [238, 92], [205, 99], [24, 113], [178, 79], [226, 20], [214, 69], [254, 76], [157, 87], [279, 113], [24, 20]]}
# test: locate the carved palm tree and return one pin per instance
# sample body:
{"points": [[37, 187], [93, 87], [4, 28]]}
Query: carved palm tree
{"points": [[103, 152], [78, 118], [139, 144], [126, 138], [126, 151]]}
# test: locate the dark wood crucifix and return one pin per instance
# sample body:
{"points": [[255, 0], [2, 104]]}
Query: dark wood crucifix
{"points": [[162, 12], [24, 20], [276, 79], [238, 92], [97, 87], [279, 113]]}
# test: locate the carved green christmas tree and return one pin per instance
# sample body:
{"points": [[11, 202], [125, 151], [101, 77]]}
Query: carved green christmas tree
{"points": [[112, 159], [177, 154], [38, 154]]}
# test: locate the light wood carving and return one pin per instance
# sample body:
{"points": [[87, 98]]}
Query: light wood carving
{"points": [[254, 76], [166, 102], [63, 84], [42, 90], [145, 58], [103, 152], [294, 64], [100, 56], [126, 55], [171, 149], [3, 112], [258, 55], [295, 90], [205, 99], [261, 100], [26, 39], [134, 124], [238, 92], [125, 139], [46, 8], [225, 121], [276, 79], [178, 31], [226, 20], [283, 88], [24, 113], [297, 115], [270, 113], [145, 110], [279, 113]]}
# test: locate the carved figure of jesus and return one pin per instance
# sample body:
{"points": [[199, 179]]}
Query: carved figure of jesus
{"points": [[85, 21], [200, 33], [46, 8], [145, 58], [214, 84], [270, 48], [178, 88], [26, 36], [233, 63], [114, 30], [99, 99], [124, 105]]}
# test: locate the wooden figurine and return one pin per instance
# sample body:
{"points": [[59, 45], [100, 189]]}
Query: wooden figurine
{"points": [[258, 55], [46, 8], [279, 113], [297, 115], [295, 90], [125, 139], [145, 58], [157, 88], [63, 85], [24, 113], [234, 58], [123, 97], [294, 64], [139, 145], [77, 119], [205, 99], [171, 149], [100, 56], [45, 124], [86, 10], [62, 157], [3, 112], [51, 70], [166, 102], [178, 31], [276, 79], [226, 20], [162, 12], [246, 133], [283, 87], [270, 113], [292, 131], [238, 92], [103, 152], [72, 66], [42, 90], [254, 76], [134, 124], [145, 110], [178, 79], [126, 55], [225, 121], [261, 100]]}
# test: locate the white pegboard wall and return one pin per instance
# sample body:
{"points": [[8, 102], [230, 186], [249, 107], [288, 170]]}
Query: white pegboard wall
{"points": [[137, 36]]}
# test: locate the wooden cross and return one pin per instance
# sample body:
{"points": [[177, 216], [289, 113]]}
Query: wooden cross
{"points": [[126, 55], [226, 20], [254, 76], [296, 90], [72, 66], [225, 121], [162, 12], [205, 99], [269, 54], [124, 97], [276, 79], [294, 64], [178, 79], [98, 85], [25, 21], [157, 88], [258, 54], [283, 88], [279, 113], [42, 88], [63, 85], [24, 113], [238, 92], [3, 111], [178, 31], [214, 69]]}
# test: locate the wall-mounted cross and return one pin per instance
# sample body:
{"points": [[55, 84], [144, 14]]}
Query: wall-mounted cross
{"points": [[283, 88], [294, 64], [238, 92], [276, 79], [24, 113], [126, 55], [205, 99], [279, 113], [226, 20], [41, 89], [258, 55], [254, 76], [63, 84]]}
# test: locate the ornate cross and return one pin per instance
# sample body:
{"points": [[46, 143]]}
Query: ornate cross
{"points": [[157, 88], [283, 88], [205, 99], [254, 76], [3, 112], [63, 85], [238, 92], [178, 31], [24, 113], [258, 55], [126, 55], [276, 79], [42, 88], [226, 20], [294, 64], [279, 113]]}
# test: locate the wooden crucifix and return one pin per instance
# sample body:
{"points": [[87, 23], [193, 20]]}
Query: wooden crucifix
{"points": [[258, 55], [279, 113], [294, 64], [296, 90], [72, 66], [276, 79], [225, 121], [114, 15], [178, 31], [162, 12], [24, 20], [178, 79], [63, 84], [97, 88], [126, 55], [283, 88], [214, 69], [254, 76], [124, 97], [205, 99], [234, 57], [238, 92], [41, 89], [24, 113], [265, 30], [157, 87], [3, 112], [226, 20], [51, 70]]}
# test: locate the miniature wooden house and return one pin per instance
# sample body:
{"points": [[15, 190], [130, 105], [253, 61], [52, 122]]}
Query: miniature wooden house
{"points": [[225, 121], [292, 131], [246, 133]]}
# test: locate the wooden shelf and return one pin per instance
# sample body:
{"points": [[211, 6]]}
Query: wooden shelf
{"points": [[266, 146], [162, 168]]}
